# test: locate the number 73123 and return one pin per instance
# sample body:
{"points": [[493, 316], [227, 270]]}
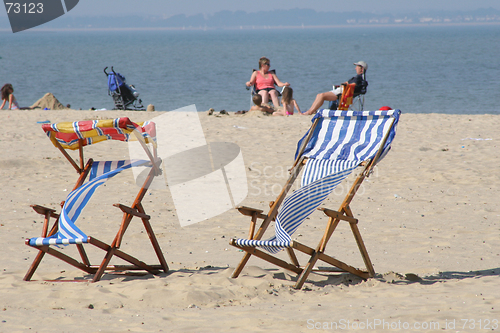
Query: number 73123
{"points": [[24, 8], [484, 324]]}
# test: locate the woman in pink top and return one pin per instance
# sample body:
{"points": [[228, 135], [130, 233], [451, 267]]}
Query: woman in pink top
{"points": [[264, 82]]}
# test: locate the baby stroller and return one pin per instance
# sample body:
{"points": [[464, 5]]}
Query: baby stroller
{"points": [[124, 95]]}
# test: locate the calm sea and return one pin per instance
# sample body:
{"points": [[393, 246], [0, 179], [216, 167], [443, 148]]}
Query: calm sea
{"points": [[451, 69]]}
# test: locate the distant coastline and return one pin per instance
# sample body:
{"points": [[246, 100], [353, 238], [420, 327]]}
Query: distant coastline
{"points": [[275, 19], [248, 28]]}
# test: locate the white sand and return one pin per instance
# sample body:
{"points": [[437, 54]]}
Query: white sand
{"points": [[431, 209]]}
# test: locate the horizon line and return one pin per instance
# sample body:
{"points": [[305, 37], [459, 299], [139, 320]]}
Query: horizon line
{"points": [[200, 28]]}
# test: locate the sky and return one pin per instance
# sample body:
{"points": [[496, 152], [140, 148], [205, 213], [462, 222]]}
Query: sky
{"points": [[169, 8]]}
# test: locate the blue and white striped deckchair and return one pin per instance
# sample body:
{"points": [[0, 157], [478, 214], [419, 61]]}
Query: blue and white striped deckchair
{"points": [[74, 136], [337, 143], [68, 232]]}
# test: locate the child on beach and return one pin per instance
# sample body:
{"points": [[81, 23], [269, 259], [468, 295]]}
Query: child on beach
{"points": [[257, 99], [289, 104], [7, 93]]}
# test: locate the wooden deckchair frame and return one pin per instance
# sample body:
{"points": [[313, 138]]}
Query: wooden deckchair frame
{"points": [[344, 213], [136, 210]]}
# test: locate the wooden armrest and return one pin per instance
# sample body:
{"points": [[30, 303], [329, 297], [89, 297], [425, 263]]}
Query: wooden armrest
{"points": [[132, 211], [248, 211], [44, 210], [255, 214], [337, 215]]}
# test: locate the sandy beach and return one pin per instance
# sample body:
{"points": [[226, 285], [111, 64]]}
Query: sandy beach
{"points": [[429, 217]]}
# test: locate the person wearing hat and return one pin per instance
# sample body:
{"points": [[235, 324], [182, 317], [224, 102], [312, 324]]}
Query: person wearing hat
{"points": [[359, 80]]}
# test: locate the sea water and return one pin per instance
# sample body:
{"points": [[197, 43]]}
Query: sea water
{"points": [[424, 69]]}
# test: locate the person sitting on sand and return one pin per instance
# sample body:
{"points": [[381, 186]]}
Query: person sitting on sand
{"points": [[264, 82], [359, 80], [7, 93], [257, 99], [289, 104]]}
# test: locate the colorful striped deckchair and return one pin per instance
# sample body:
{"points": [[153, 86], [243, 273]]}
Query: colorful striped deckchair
{"points": [[74, 136], [336, 144]]}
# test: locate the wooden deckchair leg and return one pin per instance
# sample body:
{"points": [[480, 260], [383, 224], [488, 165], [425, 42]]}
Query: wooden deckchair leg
{"points": [[34, 266], [46, 221], [306, 271], [362, 249], [114, 246], [361, 244], [153, 240], [140, 212], [253, 222], [241, 265], [104, 264], [293, 257], [83, 254], [80, 149], [41, 254], [332, 225]]}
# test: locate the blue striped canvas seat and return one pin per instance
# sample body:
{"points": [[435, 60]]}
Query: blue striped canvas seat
{"points": [[68, 232], [341, 141]]}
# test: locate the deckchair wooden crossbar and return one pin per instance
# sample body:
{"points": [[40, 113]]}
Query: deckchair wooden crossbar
{"points": [[132, 211], [122, 255], [92, 269], [334, 214], [267, 257], [341, 266]]}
